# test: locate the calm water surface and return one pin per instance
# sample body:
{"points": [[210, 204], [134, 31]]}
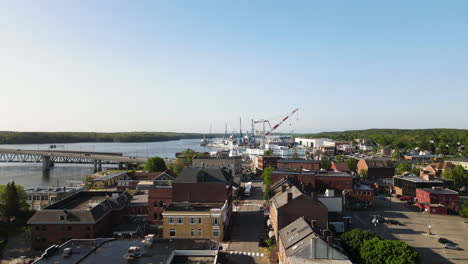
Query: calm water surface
{"points": [[31, 174]]}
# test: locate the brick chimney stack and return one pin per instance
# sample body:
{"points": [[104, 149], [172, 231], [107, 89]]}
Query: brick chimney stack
{"points": [[290, 196], [283, 188]]}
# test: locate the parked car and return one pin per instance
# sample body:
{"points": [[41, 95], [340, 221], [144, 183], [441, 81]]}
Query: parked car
{"points": [[446, 241], [394, 222], [405, 198], [452, 246]]}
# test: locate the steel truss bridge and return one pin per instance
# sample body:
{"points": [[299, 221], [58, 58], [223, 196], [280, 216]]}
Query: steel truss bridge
{"points": [[48, 158]]}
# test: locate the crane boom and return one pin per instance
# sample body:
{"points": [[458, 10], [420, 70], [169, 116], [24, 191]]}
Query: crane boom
{"points": [[281, 122]]}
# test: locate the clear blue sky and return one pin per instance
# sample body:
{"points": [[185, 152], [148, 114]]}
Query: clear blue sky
{"points": [[183, 65]]}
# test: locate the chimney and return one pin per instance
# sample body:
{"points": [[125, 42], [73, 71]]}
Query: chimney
{"points": [[289, 196], [283, 188], [313, 223], [330, 240]]}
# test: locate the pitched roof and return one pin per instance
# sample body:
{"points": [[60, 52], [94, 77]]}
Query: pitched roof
{"points": [[442, 165], [300, 241], [110, 176], [168, 173], [282, 198], [340, 166], [79, 208], [379, 163], [203, 175]]}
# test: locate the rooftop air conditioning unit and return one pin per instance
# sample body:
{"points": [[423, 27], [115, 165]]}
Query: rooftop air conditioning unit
{"points": [[134, 252]]}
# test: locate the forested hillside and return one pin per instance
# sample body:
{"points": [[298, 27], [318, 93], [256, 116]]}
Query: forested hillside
{"points": [[7, 137], [440, 141]]}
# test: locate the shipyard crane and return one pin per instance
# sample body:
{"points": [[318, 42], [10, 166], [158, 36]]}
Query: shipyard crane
{"points": [[281, 122]]}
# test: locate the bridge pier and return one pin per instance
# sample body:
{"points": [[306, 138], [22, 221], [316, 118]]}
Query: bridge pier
{"points": [[95, 166], [46, 163], [99, 165]]}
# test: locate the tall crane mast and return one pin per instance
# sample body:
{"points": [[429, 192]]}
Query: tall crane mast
{"points": [[281, 122]]}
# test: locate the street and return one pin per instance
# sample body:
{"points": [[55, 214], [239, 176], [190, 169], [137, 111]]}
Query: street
{"points": [[415, 229], [247, 228]]}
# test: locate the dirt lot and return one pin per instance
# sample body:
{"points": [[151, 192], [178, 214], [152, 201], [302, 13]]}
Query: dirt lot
{"points": [[415, 230]]}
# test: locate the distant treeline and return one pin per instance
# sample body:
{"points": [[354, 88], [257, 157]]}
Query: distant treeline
{"points": [[7, 137], [440, 141]]}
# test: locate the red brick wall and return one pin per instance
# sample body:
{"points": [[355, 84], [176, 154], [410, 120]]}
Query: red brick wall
{"points": [[303, 206], [198, 192], [451, 201], [364, 196], [333, 182], [155, 210], [298, 165]]}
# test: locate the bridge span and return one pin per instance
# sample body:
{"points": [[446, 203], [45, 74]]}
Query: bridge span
{"points": [[50, 157]]}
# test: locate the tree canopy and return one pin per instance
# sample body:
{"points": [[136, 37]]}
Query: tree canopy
{"points": [[266, 176], [353, 240], [352, 164], [439, 141], [325, 163], [155, 164], [458, 174], [402, 168], [378, 251]]}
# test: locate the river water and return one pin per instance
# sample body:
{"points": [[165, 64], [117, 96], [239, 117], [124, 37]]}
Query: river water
{"points": [[31, 174]]}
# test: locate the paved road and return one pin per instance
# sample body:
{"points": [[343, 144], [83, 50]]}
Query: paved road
{"points": [[248, 226], [415, 230]]}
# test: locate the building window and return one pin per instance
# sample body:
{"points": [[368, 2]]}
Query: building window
{"points": [[171, 220], [199, 220], [62, 217], [200, 233], [215, 232], [215, 221], [172, 232], [192, 220], [37, 228], [192, 232], [180, 220]]}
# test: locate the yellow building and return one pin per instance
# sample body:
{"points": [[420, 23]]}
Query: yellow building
{"points": [[107, 181], [196, 220]]}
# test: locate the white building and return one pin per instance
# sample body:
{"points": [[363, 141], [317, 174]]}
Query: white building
{"points": [[315, 142]]}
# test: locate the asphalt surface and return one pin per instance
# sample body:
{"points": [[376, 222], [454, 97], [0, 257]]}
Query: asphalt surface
{"points": [[248, 225], [415, 231]]}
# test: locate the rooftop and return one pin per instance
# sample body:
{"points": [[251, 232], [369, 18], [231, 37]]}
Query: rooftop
{"points": [[416, 179], [81, 207], [50, 190], [298, 161], [200, 207], [203, 175], [109, 250], [110, 176], [379, 163], [439, 191]]}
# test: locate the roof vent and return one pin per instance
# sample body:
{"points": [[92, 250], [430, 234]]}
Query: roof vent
{"points": [[134, 252], [67, 252]]}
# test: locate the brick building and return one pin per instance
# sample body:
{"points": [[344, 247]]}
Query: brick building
{"points": [[376, 168], [291, 204], [81, 215], [203, 185], [312, 165], [361, 196], [340, 167], [159, 197], [407, 185], [435, 169], [206, 220], [38, 198], [438, 200], [316, 181], [267, 161], [130, 181], [107, 181]]}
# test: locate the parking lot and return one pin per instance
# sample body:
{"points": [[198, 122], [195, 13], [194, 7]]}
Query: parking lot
{"points": [[415, 230]]}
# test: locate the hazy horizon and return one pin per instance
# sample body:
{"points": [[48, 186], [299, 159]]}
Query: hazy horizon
{"points": [[114, 66]]}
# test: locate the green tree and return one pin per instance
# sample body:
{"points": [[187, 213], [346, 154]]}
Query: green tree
{"points": [[268, 152], [88, 181], [378, 251], [460, 176], [464, 210], [353, 241], [188, 155], [363, 173], [352, 164], [155, 164], [266, 176], [176, 166], [295, 156], [12, 201], [402, 168], [325, 163], [396, 154]]}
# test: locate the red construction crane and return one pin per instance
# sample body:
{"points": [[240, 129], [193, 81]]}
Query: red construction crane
{"points": [[281, 122]]}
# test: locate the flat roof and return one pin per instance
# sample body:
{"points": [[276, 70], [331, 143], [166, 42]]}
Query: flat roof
{"points": [[109, 250], [415, 179], [439, 191], [110, 176], [200, 207]]}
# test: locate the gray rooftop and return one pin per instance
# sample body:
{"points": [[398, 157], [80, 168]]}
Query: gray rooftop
{"points": [[416, 179], [282, 198], [298, 161], [203, 175], [108, 250], [81, 207], [110, 176], [440, 191], [301, 242]]}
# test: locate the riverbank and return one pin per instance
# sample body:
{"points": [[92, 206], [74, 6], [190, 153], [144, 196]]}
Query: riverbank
{"points": [[10, 137]]}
